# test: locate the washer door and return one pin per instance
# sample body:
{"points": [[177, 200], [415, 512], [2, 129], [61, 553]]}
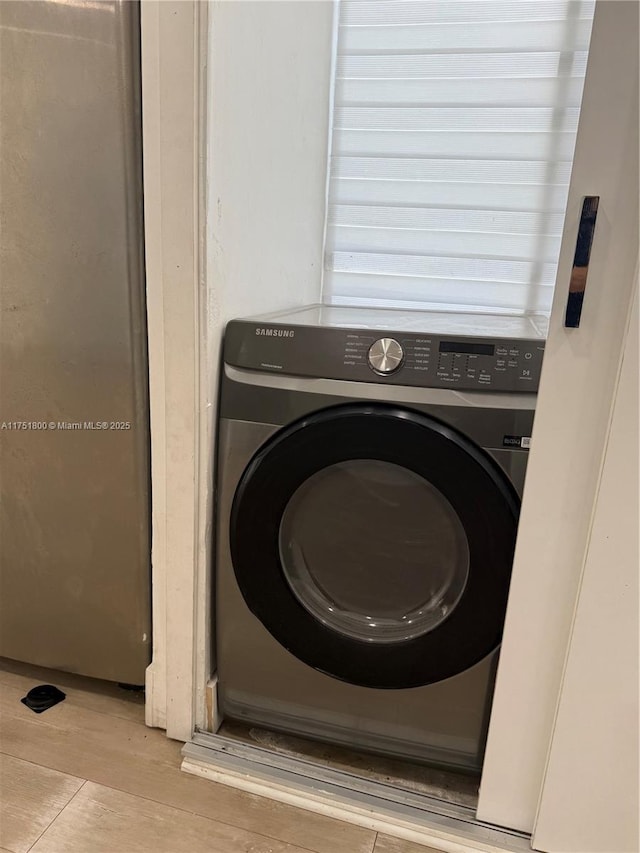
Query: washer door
{"points": [[375, 544]]}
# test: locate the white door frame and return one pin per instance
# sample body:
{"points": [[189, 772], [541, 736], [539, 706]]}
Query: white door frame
{"points": [[173, 119]]}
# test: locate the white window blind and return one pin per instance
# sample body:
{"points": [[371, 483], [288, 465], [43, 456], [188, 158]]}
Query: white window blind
{"points": [[453, 133]]}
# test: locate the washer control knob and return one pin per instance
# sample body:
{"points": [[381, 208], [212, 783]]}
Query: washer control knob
{"points": [[385, 356]]}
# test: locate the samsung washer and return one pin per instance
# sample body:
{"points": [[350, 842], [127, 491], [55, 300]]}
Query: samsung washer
{"points": [[371, 465]]}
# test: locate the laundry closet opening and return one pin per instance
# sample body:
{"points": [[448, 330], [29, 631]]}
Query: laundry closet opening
{"points": [[373, 428]]}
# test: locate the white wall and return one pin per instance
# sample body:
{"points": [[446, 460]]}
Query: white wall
{"points": [[269, 72], [590, 796], [268, 112]]}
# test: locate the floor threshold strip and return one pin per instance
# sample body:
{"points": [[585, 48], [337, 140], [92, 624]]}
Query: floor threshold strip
{"points": [[359, 797]]}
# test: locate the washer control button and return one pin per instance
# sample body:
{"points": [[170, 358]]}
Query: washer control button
{"points": [[385, 356]]}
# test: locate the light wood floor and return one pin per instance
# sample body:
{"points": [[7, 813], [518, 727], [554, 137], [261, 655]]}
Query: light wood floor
{"points": [[87, 776]]}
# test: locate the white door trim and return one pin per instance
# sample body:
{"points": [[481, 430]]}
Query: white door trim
{"points": [[172, 76]]}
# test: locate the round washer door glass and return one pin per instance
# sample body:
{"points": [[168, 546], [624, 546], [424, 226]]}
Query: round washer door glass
{"points": [[374, 551], [375, 544]]}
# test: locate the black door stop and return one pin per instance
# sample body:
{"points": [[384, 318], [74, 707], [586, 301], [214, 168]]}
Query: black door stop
{"points": [[43, 697]]}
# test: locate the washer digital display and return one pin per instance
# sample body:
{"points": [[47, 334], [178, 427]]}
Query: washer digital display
{"points": [[471, 348]]}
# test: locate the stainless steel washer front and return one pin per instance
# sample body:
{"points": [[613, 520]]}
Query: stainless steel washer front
{"points": [[365, 536]]}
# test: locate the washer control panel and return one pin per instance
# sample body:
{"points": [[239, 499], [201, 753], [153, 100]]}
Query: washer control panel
{"points": [[398, 358], [434, 361]]}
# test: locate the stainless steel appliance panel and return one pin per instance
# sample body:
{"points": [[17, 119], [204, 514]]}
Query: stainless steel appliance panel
{"points": [[74, 447], [262, 682]]}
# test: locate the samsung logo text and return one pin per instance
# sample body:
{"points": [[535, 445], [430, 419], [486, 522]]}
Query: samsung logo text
{"points": [[275, 333]]}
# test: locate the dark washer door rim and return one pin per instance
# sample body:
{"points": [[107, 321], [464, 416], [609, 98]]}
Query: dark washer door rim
{"points": [[469, 479]]}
